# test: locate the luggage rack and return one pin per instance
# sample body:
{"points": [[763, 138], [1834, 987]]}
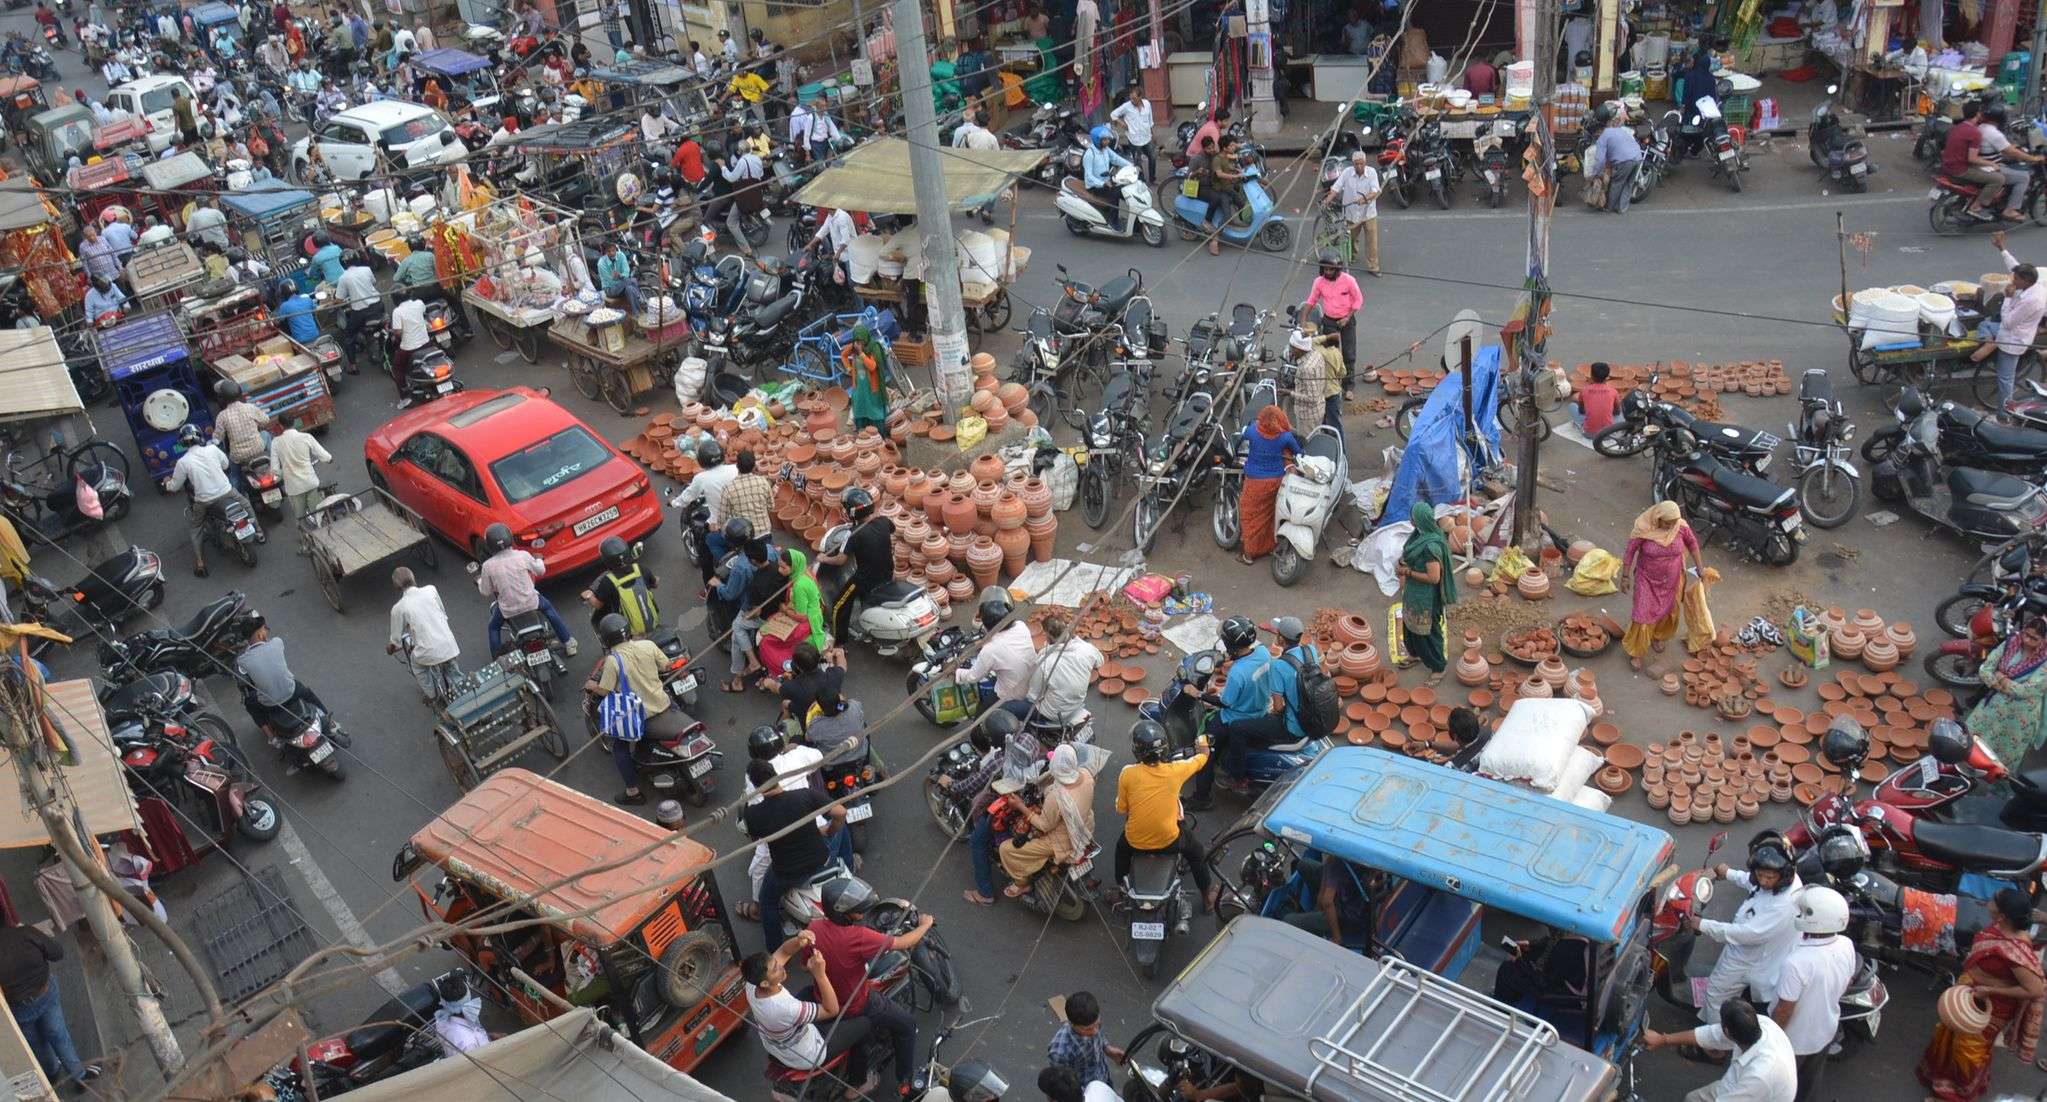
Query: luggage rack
{"points": [[1407, 1009]]}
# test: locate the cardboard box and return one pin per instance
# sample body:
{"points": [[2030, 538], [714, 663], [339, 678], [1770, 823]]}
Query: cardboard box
{"points": [[276, 346]]}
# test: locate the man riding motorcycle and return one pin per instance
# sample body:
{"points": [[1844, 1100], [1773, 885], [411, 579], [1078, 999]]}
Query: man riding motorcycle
{"points": [[637, 665], [1248, 715], [849, 949], [204, 470], [871, 548], [623, 588], [1148, 798], [267, 684], [1756, 942], [1009, 655], [506, 578]]}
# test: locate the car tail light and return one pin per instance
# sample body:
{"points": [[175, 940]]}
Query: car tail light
{"points": [[640, 486]]}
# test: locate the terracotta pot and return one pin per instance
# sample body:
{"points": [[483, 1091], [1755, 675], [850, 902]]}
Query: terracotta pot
{"points": [[960, 588], [1900, 634], [997, 418], [1044, 533], [1358, 659], [982, 363], [1008, 511], [1352, 629], [1037, 497], [1552, 671], [957, 544], [1533, 585], [1880, 653], [1015, 397], [894, 481], [986, 468], [1016, 548], [959, 513], [982, 402], [984, 497], [1848, 641], [934, 507], [985, 560], [844, 449], [1535, 687], [916, 486], [820, 419], [867, 463], [960, 482], [940, 570], [1472, 668], [935, 548], [985, 383], [1867, 621]]}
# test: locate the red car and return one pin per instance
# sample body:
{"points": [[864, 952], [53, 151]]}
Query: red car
{"points": [[480, 457]]}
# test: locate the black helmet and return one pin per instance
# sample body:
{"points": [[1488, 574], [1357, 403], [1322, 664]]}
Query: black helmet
{"points": [[998, 725], [1767, 852], [844, 897], [738, 532], [1948, 743], [857, 503], [1842, 854], [1845, 743], [710, 453], [189, 436], [765, 741], [1238, 635], [614, 552], [1327, 258], [1994, 113], [974, 1081], [995, 606], [1148, 741], [496, 538], [227, 390], [613, 630]]}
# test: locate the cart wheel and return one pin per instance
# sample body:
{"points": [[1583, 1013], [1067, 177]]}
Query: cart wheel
{"points": [[996, 314], [329, 584], [618, 390], [1985, 386], [1864, 366], [810, 363], [554, 742], [458, 763], [499, 335], [583, 372], [528, 342]]}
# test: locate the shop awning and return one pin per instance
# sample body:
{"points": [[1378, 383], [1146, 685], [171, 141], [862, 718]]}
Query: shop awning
{"points": [[875, 177], [21, 204], [97, 784], [565, 1057], [34, 383]]}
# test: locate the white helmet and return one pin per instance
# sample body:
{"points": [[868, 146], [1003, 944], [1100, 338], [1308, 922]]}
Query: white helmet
{"points": [[1820, 910]]}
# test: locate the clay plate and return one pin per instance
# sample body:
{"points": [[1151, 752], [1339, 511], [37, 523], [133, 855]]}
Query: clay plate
{"points": [[1110, 686], [1625, 755], [1134, 695], [1372, 692], [1793, 753]]}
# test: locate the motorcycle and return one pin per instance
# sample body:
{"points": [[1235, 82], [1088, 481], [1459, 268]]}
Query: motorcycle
{"points": [[205, 645], [952, 814], [687, 761], [1186, 718], [1833, 150], [1059, 890], [1067, 348], [1642, 417], [110, 593], [764, 328], [1955, 662], [1307, 500], [1180, 463], [1114, 432], [1439, 167], [1056, 130], [1136, 217], [265, 490], [942, 701], [1922, 852], [710, 290], [1493, 164], [1962, 784], [1154, 902], [1829, 486], [849, 770], [1932, 138], [1948, 212], [1267, 228], [1727, 144], [62, 513], [397, 1037], [197, 770], [1760, 518], [1659, 156], [430, 374], [1984, 506], [301, 730]]}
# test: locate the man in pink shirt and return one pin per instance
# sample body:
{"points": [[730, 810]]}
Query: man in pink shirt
{"points": [[1337, 294], [2011, 335], [505, 578]]}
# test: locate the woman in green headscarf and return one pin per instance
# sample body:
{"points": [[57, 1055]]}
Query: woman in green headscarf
{"points": [[1428, 589], [807, 624], [865, 361]]}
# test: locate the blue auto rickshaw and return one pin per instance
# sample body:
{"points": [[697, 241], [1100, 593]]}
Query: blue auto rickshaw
{"points": [[214, 14], [271, 222], [157, 383], [467, 79], [1426, 850]]}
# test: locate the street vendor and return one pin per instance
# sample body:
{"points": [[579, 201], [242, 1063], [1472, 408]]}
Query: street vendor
{"points": [[615, 275], [865, 359]]}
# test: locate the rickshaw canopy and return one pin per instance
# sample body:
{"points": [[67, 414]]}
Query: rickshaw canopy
{"points": [[21, 205], [35, 384], [142, 344], [871, 177], [517, 833], [96, 781], [447, 61], [1324, 1023], [14, 85], [1510, 848], [260, 203], [71, 125], [214, 14], [185, 168], [639, 71], [573, 138], [573, 1056]]}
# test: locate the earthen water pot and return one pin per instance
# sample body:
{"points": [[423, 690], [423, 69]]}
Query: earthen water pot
{"points": [[960, 513], [986, 468], [1037, 497], [985, 560], [1008, 511], [1016, 548], [1044, 533]]}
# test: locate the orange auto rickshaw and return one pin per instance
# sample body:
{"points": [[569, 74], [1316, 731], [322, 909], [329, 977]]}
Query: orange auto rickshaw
{"points": [[655, 954]]}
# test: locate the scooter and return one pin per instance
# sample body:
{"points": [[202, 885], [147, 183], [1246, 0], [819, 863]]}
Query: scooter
{"points": [[895, 617], [449, 329], [1268, 228], [397, 1037], [1154, 900], [942, 701], [1961, 783], [1307, 499], [1836, 152], [234, 528], [429, 374], [159, 754], [264, 489], [110, 593], [205, 645], [686, 762], [63, 513], [849, 770], [1985, 507], [1135, 218], [1829, 486]]}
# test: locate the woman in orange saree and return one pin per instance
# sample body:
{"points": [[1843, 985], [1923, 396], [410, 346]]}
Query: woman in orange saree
{"points": [[2003, 966]]}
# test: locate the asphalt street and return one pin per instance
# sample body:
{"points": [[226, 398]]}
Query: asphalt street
{"points": [[1697, 274]]}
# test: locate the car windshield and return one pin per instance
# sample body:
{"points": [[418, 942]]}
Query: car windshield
{"points": [[412, 130], [158, 100], [549, 464]]}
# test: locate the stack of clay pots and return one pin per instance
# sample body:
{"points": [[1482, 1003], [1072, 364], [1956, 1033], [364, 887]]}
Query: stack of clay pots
{"points": [[1695, 778]]}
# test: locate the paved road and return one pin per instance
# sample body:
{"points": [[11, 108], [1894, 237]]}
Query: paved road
{"points": [[1697, 274]]}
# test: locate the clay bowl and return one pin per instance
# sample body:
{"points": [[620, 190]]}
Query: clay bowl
{"points": [[1904, 690], [1793, 753], [1807, 773], [1786, 714], [1110, 686], [1939, 698], [1626, 755], [1397, 695], [1606, 734], [1480, 699], [1394, 740], [1422, 695], [1372, 692], [1414, 715], [1108, 670], [1376, 723], [1133, 675], [1134, 695], [1832, 693], [1439, 715], [1816, 724], [1357, 710], [1763, 738]]}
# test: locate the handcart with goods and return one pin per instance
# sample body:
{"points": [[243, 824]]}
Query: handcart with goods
{"points": [[494, 246], [347, 534], [283, 378], [1915, 336], [610, 355], [575, 164], [490, 719]]}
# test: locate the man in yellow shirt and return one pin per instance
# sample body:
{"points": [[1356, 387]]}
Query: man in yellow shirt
{"points": [[1148, 798], [750, 87]]}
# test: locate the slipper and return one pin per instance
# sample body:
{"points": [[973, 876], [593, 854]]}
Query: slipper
{"points": [[630, 798], [976, 898], [1014, 891], [748, 910], [732, 686], [1247, 560], [1208, 900], [2012, 216]]}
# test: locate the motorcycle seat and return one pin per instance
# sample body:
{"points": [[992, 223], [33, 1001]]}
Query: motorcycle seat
{"points": [[1193, 412], [1747, 489], [893, 595], [1988, 489], [2010, 439], [208, 617], [413, 1004], [142, 693], [1117, 293], [1325, 445], [1974, 848], [1151, 874], [772, 314], [1243, 319], [1121, 387], [1720, 435]]}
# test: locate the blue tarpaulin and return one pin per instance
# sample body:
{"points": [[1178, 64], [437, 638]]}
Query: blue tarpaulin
{"points": [[449, 62], [1428, 469]]}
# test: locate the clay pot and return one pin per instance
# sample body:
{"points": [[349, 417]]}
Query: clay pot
{"points": [[1880, 653], [916, 485], [960, 513], [1533, 585], [1044, 533], [982, 402], [1358, 660], [1352, 629], [940, 570], [982, 363], [1008, 512], [1016, 548], [1014, 397], [985, 560], [867, 463], [957, 544], [1901, 637], [1534, 686], [1848, 641], [1867, 621], [986, 468], [934, 506], [1474, 578], [895, 480], [1037, 498], [960, 588], [820, 420], [1552, 670], [1472, 669], [1670, 684]]}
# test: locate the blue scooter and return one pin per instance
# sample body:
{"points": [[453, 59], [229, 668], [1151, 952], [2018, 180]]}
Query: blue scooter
{"points": [[1185, 717], [1268, 228], [711, 290]]}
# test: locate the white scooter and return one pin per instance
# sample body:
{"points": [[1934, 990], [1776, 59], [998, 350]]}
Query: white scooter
{"points": [[1307, 499], [896, 616], [1084, 215]]}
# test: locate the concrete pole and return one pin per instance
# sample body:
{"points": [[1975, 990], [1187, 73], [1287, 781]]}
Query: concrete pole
{"points": [[934, 213], [1264, 104], [1527, 520]]}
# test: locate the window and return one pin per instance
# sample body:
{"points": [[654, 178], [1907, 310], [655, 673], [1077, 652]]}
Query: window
{"points": [[455, 469], [422, 451], [159, 99], [549, 464], [412, 130], [343, 134]]}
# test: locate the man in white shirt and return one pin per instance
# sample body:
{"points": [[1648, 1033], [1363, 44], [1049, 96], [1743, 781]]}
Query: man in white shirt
{"points": [[1763, 1068], [1009, 655], [700, 62], [974, 134], [837, 232], [813, 130], [1059, 1084], [1132, 119], [2010, 160], [2017, 324], [796, 763], [408, 321], [708, 485], [201, 470], [1761, 935], [728, 52], [419, 622], [1057, 690], [1356, 190], [654, 126], [292, 455], [1811, 982], [787, 1024]]}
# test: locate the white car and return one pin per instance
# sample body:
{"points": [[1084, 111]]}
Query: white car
{"points": [[149, 99], [352, 142]]}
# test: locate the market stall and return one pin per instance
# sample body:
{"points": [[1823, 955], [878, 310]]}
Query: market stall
{"points": [[32, 242], [573, 164], [524, 257]]}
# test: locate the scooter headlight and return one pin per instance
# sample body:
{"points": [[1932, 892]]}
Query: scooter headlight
{"points": [[1156, 468]]}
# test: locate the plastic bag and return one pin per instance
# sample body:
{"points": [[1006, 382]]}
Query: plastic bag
{"points": [[88, 498], [1595, 574], [1510, 566], [1698, 618], [970, 431], [1437, 68], [690, 376]]}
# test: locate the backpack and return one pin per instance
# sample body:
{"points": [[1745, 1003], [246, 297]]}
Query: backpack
{"points": [[642, 616], [1319, 703]]}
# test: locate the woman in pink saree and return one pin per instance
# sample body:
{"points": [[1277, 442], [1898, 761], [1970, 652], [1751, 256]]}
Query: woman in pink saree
{"points": [[1655, 561]]}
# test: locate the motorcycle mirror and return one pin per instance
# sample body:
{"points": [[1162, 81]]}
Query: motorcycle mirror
{"points": [[1713, 847]]}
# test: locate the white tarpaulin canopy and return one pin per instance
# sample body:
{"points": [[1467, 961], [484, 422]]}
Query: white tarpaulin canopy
{"points": [[98, 785], [875, 177], [571, 1057], [34, 382]]}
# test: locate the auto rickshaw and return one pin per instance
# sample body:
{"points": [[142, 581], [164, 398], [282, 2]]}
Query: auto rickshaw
{"points": [[466, 79], [655, 952], [21, 97], [1435, 853], [574, 164], [54, 136]]}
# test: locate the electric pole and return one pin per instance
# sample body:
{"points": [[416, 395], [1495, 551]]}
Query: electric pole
{"points": [[1535, 303], [934, 212]]}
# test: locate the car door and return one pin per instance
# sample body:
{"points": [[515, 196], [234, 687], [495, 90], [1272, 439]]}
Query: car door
{"points": [[468, 505], [347, 150], [419, 484]]}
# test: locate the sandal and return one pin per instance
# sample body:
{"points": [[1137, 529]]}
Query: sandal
{"points": [[1246, 559], [977, 899], [735, 685], [1014, 891], [630, 798], [748, 910]]}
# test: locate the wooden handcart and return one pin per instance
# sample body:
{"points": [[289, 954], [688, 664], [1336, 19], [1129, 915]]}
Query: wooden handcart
{"points": [[1932, 362], [637, 366], [491, 718], [348, 534], [513, 328]]}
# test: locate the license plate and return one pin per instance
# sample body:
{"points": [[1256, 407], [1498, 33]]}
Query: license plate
{"points": [[1491, 177], [588, 524], [1147, 931], [320, 753], [1080, 870], [245, 531], [444, 388], [1727, 154], [442, 338], [687, 685], [272, 497], [1933, 193], [538, 657], [699, 768], [1857, 169], [1433, 174], [1792, 523], [859, 813]]}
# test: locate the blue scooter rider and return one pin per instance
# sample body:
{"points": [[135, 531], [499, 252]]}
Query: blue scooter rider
{"points": [[1098, 167], [1251, 715]]}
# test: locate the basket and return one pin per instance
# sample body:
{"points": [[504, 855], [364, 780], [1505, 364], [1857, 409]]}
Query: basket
{"points": [[911, 353]]}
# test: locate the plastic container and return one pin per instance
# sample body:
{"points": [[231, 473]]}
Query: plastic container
{"points": [[1521, 79], [1631, 83]]}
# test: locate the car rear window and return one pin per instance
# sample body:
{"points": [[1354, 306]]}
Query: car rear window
{"points": [[552, 463], [158, 100], [412, 130]]}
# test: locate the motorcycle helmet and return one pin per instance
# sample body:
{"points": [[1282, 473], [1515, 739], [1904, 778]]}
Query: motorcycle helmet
{"points": [[765, 741], [974, 1081], [496, 538], [1148, 741], [227, 390], [1767, 852], [710, 453], [1842, 854], [1845, 743], [1947, 742], [738, 532], [1994, 114], [995, 606], [857, 503], [845, 898], [1238, 635], [997, 724], [614, 552], [1330, 263], [613, 630], [1099, 137], [1820, 910], [189, 436]]}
